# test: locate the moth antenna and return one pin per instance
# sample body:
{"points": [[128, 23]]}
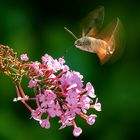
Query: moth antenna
{"points": [[70, 32]]}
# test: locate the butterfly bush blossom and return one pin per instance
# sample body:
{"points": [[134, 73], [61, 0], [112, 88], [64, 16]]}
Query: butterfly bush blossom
{"points": [[58, 91]]}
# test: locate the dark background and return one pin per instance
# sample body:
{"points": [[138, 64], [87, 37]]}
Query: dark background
{"points": [[36, 28]]}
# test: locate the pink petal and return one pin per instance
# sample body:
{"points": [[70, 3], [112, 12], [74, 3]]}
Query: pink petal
{"points": [[77, 131]]}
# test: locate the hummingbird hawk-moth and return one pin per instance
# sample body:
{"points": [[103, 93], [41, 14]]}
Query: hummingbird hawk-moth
{"points": [[106, 43]]}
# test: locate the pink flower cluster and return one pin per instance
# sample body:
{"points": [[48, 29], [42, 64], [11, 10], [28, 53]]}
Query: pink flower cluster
{"points": [[59, 92]]}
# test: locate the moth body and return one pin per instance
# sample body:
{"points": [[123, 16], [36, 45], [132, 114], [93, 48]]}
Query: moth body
{"points": [[93, 45]]}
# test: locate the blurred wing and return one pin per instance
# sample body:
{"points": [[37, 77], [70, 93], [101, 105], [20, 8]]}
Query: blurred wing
{"points": [[113, 34], [91, 24]]}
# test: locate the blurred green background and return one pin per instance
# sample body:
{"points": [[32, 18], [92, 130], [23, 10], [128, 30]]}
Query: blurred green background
{"points": [[36, 28]]}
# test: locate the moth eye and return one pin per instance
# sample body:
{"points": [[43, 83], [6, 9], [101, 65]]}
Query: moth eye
{"points": [[79, 43]]}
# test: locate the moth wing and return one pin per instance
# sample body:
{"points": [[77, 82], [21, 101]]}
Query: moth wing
{"points": [[113, 35], [91, 24]]}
